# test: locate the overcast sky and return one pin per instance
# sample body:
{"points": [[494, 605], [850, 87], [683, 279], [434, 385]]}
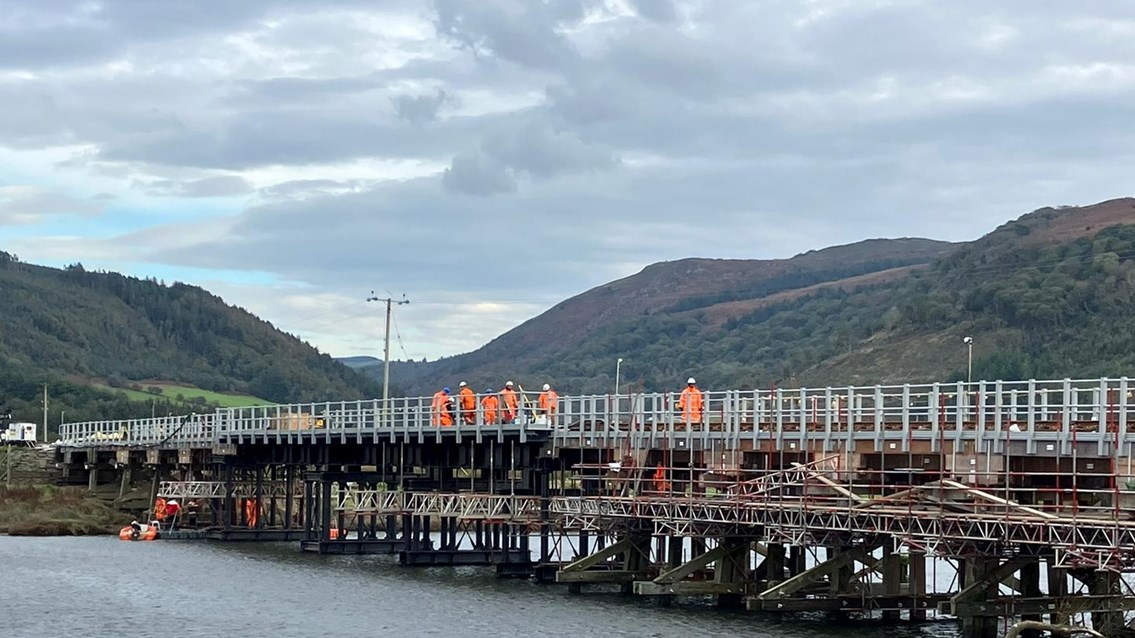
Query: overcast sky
{"points": [[489, 158]]}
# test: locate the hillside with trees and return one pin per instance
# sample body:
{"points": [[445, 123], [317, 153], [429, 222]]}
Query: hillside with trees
{"points": [[77, 330], [1047, 295]]}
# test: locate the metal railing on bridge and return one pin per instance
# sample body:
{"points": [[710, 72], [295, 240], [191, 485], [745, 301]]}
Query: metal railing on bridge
{"points": [[1097, 410]]}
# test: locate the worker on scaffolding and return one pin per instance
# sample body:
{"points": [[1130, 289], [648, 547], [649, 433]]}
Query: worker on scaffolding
{"points": [[548, 402], [690, 403], [442, 416], [467, 404], [490, 406], [510, 403], [659, 479]]}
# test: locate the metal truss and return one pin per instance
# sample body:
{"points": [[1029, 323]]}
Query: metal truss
{"points": [[485, 507], [476, 506], [797, 475], [1098, 543], [357, 500], [216, 489], [192, 489]]}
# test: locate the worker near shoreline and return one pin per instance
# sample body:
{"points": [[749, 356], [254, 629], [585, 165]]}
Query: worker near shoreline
{"points": [[173, 509], [548, 401], [490, 404], [690, 403], [510, 403], [440, 408], [192, 510], [467, 403]]}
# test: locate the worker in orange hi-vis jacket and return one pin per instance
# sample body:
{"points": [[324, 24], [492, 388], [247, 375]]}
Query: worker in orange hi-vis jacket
{"points": [[467, 403], [690, 403], [490, 404], [548, 402], [439, 409], [510, 403]]}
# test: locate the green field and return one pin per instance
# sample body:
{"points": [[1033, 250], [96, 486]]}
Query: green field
{"points": [[170, 391]]}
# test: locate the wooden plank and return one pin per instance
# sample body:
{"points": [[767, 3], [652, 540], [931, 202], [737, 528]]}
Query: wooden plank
{"points": [[602, 576], [685, 588]]}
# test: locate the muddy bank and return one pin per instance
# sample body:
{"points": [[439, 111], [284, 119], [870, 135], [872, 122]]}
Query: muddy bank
{"points": [[46, 510]]}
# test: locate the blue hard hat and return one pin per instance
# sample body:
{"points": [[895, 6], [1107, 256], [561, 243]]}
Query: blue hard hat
{"points": [[445, 389]]}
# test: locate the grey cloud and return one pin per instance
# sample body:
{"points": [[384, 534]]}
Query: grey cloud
{"points": [[290, 90], [545, 153], [584, 230], [477, 174], [50, 33], [583, 142], [531, 150], [655, 10], [520, 31], [302, 188], [29, 205], [219, 186], [419, 109]]}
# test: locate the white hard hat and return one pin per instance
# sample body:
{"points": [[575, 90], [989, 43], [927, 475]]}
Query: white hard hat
{"points": [[173, 501], [508, 384], [691, 381], [462, 384], [547, 387]]}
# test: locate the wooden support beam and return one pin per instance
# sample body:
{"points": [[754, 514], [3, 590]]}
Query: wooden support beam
{"points": [[686, 588], [602, 576], [800, 581], [695, 564], [847, 603], [1071, 605], [601, 556], [981, 587], [916, 583]]}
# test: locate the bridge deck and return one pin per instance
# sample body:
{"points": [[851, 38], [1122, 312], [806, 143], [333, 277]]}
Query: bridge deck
{"points": [[1036, 413]]}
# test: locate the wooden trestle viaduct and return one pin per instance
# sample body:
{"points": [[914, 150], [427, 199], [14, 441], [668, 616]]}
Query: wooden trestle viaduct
{"points": [[985, 501]]}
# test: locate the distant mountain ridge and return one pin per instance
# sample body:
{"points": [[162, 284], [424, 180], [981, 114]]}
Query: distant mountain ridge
{"points": [[359, 361], [882, 310]]}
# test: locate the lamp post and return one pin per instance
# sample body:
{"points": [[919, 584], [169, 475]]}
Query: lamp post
{"points": [[386, 352], [618, 363], [969, 358]]}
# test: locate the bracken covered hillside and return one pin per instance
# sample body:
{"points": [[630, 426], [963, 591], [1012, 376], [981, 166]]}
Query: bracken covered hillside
{"points": [[1049, 294]]}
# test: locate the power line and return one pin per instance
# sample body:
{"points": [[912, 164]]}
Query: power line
{"points": [[399, 336], [296, 323]]}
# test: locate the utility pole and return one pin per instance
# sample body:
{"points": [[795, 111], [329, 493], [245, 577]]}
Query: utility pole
{"points": [[969, 359], [386, 351], [44, 440]]}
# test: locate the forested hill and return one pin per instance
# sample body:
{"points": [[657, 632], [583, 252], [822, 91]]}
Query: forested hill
{"points": [[1048, 295], [78, 330], [655, 317]]}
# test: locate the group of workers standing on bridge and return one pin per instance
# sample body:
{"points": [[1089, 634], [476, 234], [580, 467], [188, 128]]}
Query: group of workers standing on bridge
{"points": [[496, 408], [505, 406]]}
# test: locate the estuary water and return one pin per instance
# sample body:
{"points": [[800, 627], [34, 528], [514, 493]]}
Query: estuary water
{"points": [[105, 587]]}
